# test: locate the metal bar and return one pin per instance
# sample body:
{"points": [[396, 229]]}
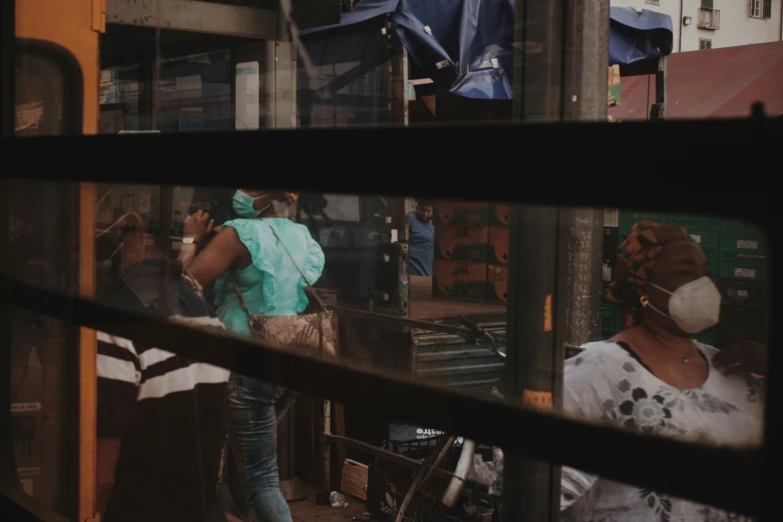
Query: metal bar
{"points": [[539, 47], [88, 355], [404, 322], [433, 461], [531, 364], [9, 478], [586, 59], [658, 110], [658, 464], [195, 16], [327, 450], [8, 71]]}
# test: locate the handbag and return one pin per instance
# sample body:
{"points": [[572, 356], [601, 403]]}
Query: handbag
{"points": [[313, 331]]}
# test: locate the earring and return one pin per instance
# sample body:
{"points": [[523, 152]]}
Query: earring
{"points": [[644, 300]]}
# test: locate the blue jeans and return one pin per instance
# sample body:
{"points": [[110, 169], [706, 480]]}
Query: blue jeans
{"points": [[252, 435]]}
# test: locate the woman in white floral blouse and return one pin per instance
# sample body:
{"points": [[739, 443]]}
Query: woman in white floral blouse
{"points": [[654, 378]]}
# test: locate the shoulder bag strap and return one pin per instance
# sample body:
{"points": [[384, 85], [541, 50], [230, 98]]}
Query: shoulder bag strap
{"points": [[239, 294]]}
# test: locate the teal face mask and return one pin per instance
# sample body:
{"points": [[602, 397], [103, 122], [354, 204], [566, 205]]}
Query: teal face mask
{"points": [[243, 205]]}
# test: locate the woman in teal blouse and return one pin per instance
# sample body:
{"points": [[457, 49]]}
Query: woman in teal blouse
{"points": [[271, 285]]}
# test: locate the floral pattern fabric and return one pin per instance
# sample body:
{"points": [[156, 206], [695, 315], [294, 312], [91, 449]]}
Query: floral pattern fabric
{"points": [[607, 383]]}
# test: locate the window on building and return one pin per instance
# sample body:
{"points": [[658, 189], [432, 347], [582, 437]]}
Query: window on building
{"points": [[761, 9], [705, 43], [707, 4]]}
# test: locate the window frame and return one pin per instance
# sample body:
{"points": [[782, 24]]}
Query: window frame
{"points": [[757, 9], [742, 471], [73, 425], [73, 82]]}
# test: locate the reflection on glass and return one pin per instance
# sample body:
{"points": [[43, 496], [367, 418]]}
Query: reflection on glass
{"points": [[661, 373], [421, 239], [39, 96], [39, 393]]}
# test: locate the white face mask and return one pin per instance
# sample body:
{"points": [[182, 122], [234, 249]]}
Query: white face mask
{"points": [[694, 306]]}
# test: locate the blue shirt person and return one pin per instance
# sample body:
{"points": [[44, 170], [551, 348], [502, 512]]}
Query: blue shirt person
{"points": [[422, 239]]}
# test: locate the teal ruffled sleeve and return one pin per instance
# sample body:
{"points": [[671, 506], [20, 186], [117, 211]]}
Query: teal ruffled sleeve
{"points": [[314, 266], [279, 288]]}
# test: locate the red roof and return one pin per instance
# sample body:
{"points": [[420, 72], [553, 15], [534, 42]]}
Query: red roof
{"points": [[715, 83]]}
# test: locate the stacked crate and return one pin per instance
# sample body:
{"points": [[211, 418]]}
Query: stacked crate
{"points": [[471, 251], [743, 284]]}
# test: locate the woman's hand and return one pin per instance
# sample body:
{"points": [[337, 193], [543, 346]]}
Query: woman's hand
{"points": [[198, 225], [744, 356]]}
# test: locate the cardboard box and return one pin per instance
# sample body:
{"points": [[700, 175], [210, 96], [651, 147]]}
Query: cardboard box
{"points": [[469, 244], [457, 280], [498, 246], [499, 214], [354, 480], [497, 282], [468, 214]]}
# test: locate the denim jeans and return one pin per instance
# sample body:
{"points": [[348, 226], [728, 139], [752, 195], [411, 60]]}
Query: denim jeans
{"points": [[252, 436]]}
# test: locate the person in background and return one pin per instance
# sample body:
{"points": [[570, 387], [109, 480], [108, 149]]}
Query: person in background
{"points": [[422, 239], [263, 255], [653, 377], [160, 420]]}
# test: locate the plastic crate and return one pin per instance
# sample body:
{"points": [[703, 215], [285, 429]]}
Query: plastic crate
{"points": [[707, 337], [706, 239], [697, 225], [737, 236], [713, 261], [740, 323], [628, 219], [608, 317], [743, 292], [740, 265]]}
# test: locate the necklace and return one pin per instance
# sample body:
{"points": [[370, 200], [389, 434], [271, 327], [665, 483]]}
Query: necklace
{"points": [[684, 358]]}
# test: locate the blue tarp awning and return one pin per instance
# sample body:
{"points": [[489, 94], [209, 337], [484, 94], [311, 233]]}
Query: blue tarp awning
{"points": [[466, 45]]}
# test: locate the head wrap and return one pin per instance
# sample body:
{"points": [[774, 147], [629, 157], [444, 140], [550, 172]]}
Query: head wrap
{"points": [[636, 258]]}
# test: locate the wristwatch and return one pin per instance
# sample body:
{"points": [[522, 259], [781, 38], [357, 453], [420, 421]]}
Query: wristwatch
{"points": [[188, 240]]}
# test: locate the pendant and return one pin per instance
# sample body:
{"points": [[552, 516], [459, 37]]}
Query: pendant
{"points": [[685, 360]]}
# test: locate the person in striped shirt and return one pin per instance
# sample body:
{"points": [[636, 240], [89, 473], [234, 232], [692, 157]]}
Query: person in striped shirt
{"points": [[161, 417]]}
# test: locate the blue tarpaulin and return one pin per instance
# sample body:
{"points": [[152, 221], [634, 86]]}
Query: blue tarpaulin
{"points": [[466, 45]]}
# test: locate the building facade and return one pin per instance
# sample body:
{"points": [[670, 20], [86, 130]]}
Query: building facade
{"points": [[709, 24]]}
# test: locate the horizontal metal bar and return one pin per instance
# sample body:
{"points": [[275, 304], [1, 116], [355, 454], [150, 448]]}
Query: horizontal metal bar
{"points": [[196, 16], [401, 322], [346, 171], [728, 478]]}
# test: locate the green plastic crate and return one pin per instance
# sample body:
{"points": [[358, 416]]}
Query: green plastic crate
{"points": [[740, 265], [607, 334], [706, 239], [707, 336], [628, 219], [737, 236], [699, 225], [608, 317]]}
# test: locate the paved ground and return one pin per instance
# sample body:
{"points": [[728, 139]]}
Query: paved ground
{"points": [[308, 510]]}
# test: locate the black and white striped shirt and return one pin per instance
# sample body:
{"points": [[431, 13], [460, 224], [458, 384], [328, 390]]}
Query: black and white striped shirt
{"points": [[168, 411]]}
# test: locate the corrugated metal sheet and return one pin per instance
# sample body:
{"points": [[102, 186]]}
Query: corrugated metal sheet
{"points": [[716, 83], [447, 360]]}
